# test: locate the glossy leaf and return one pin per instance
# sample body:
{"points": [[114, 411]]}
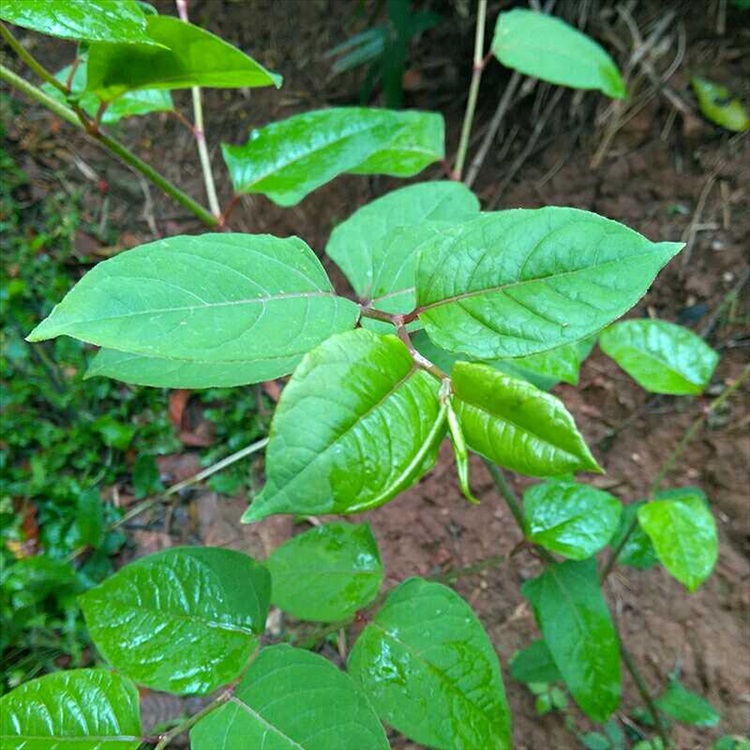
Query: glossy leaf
{"points": [[544, 370], [287, 160], [291, 699], [251, 304], [720, 105], [548, 48], [638, 551], [128, 105], [516, 282], [535, 664], [516, 425], [579, 633], [327, 573], [189, 56], [574, 520], [430, 671], [85, 709], [687, 707], [363, 245], [357, 424], [185, 620], [91, 20], [683, 532], [661, 357]]}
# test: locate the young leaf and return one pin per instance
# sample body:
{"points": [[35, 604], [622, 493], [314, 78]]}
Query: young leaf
{"points": [[684, 706], [574, 520], [287, 160], [252, 304], [362, 246], [548, 48], [534, 664], [516, 425], [128, 105], [661, 357], [719, 105], [185, 620], [516, 282], [85, 709], [579, 633], [357, 424], [327, 573], [460, 453], [89, 20], [188, 56], [638, 551], [430, 671], [683, 532], [291, 699]]}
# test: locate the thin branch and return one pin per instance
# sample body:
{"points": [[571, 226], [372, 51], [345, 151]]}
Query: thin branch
{"points": [[248, 450], [31, 61], [505, 490], [471, 104], [689, 435], [109, 143], [200, 134]]}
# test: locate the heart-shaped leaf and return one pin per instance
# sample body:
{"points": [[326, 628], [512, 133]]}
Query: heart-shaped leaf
{"points": [[517, 282], [188, 56], [327, 573], [357, 424], [516, 425], [185, 620], [287, 160], [249, 305], [85, 709], [430, 671], [661, 357], [363, 246], [579, 633], [683, 532], [548, 48], [89, 20], [574, 520], [291, 700]]}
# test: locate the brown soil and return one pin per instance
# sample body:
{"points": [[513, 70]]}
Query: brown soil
{"points": [[654, 176]]}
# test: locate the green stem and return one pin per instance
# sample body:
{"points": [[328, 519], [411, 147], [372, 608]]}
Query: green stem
{"points": [[507, 493], [115, 147], [667, 466], [471, 104], [30, 60], [191, 721]]}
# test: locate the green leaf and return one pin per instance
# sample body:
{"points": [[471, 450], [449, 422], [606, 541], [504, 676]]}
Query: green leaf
{"points": [[430, 671], [193, 57], [516, 282], [683, 532], [544, 47], [460, 452], [291, 699], [579, 633], [85, 709], [516, 425], [90, 518], [128, 105], [544, 370], [185, 620], [363, 245], [638, 551], [91, 20], [720, 105], [684, 706], [250, 305], [595, 741], [661, 357], [574, 520], [357, 424], [327, 573], [534, 664], [287, 160], [146, 476]]}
